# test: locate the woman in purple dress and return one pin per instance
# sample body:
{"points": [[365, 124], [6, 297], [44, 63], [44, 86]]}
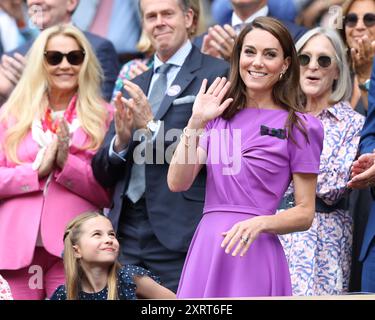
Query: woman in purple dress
{"points": [[253, 139]]}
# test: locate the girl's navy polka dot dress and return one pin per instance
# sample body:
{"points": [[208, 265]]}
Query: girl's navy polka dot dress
{"points": [[125, 286]]}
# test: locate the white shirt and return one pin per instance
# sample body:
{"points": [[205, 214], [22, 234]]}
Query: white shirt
{"points": [[262, 12]]}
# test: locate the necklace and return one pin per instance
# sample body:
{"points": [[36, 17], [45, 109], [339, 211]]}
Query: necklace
{"points": [[52, 124]]}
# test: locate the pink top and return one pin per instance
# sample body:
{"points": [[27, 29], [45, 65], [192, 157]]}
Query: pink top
{"points": [[25, 206]]}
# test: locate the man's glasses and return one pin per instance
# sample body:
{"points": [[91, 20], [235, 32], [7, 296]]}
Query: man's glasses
{"points": [[351, 20], [75, 57], [323, 61]]}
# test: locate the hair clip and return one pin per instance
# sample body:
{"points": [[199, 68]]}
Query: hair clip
{"points": [[278, 133]]}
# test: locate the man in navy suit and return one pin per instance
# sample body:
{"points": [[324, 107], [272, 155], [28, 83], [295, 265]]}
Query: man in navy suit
{"points": [[48, 13], [363, 172], [220, 39], [154, 225]]}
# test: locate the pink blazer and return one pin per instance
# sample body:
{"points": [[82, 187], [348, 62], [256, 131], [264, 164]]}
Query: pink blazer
{"points": [[24, 208]]}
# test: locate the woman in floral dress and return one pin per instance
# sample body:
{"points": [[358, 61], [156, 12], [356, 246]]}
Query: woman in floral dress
{"points": [[319, 259]]}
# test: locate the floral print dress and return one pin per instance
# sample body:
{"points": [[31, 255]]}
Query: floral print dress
{"points": [[320, 258], [5, 293]]}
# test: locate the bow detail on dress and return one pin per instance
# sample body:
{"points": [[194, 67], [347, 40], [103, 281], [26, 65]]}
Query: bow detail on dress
{"points": [[278, 133]]}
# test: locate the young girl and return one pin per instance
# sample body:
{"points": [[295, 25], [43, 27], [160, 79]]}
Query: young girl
{"points": [[91, 268]]}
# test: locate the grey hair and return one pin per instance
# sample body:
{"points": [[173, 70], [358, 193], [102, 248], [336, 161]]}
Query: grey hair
{"points": [[342, 89], [184, 5]]}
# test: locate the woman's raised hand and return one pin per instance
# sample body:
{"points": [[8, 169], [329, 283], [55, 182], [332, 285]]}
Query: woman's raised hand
{"points": [[208, 104], [362, 58]]}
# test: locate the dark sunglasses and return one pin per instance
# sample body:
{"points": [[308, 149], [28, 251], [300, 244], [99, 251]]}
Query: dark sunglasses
{"points": [[351, 20], [75, 57], [323, 61]]}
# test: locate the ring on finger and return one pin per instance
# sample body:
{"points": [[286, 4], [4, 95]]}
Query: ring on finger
{"points": [[245, 239], [64, 139]]}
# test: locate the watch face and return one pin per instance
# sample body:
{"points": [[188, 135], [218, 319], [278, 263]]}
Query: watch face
{"points": [[367, 85], [152, 125]]}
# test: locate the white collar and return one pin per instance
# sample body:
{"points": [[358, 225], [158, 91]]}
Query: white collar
{"points": [[262, 12], [178, 58]]}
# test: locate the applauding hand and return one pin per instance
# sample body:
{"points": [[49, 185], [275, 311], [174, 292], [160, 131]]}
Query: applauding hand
{"points": [[362, 58], [363, 172], [138, 105], [63, 139], [219, 41], [48, 162], [123, 123]]}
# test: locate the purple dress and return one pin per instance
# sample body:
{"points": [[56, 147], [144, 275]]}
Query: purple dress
{"points": [[249, 167]]}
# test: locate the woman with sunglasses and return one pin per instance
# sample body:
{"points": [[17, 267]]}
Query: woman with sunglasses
{"points": [[50, 128], [359, 36], [319, 258]]}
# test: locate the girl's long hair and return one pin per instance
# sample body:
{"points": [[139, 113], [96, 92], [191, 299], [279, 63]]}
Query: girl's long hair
{"points": [[73, 271]]}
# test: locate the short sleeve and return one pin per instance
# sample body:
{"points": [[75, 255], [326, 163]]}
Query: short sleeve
{"points": [[59, 294], [305, 153], [126, 275]]}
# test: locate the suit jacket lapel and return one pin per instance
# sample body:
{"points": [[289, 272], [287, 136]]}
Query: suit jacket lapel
{"points": [[144, 80], [182, 80]]}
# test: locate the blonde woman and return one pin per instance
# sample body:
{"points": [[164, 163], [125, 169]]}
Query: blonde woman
{"points": [[50, 128], [91, 266]]}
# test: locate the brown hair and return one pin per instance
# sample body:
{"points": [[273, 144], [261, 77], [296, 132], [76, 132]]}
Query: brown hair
{"points": [[286, 92], [198, 26]]}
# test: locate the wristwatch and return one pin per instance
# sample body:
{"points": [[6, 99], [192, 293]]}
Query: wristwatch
{"points": [[152, 126], [365, 86]]}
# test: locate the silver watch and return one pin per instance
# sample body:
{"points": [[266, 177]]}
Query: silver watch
{"points": [[365, 86], [152, 125]]}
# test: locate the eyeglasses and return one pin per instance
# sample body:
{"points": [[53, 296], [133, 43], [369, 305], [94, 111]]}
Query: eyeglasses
{"points": [[351, 20], [323, 61], [75, 57]]}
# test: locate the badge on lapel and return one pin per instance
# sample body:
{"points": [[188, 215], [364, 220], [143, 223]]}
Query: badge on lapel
{"points": [[174, 90]]}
